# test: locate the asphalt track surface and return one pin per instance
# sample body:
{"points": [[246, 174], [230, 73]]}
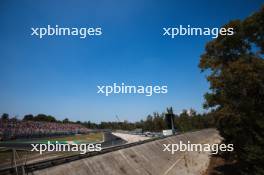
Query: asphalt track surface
{"points": [[109, 140]]}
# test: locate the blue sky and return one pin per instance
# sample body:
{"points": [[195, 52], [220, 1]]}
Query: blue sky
{"points": [[58, 75]]}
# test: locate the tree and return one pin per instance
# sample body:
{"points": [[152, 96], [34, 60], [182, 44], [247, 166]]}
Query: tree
{"points": [[44, 118], [236, 79], [28, 117], [66, 120], [5, 116], [192, 112], [148, 125], [184, 121], [158, 122]]}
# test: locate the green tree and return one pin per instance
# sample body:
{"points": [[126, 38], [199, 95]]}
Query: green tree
{"points": [[28, 117], [66, 120], [149, 123], [236, 79], [5, 116], [184, 122], [44, 118]]}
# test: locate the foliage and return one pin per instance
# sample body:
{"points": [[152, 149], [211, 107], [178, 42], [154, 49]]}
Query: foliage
{"points": [[236, 79], [40, 117], [5, 116], [154, 123]]}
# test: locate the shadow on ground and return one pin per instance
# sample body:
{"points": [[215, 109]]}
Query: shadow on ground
{"points": [[219, 166]]}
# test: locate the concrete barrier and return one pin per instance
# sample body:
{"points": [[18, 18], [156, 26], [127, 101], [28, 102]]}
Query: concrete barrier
{"points": [[145, 159]]}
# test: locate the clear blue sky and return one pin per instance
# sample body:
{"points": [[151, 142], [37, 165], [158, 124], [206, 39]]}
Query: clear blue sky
{"points": [[58, 75]]}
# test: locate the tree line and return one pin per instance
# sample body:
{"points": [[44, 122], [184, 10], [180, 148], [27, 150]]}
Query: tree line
{"points": [[187, 120]]}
